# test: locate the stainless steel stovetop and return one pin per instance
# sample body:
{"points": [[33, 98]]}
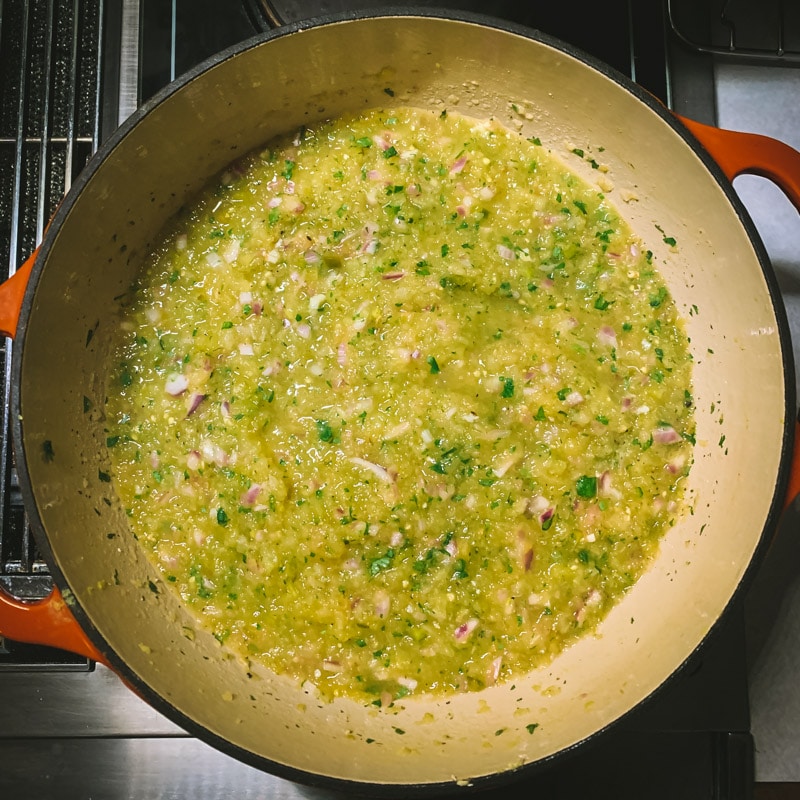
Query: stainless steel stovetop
{"points": [[70, 728]]}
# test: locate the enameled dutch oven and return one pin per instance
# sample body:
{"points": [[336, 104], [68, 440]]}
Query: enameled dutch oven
{"points": [[113, 606]]}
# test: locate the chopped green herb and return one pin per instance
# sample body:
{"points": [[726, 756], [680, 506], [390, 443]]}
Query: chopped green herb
{"points": [[324, 431], [586, 486]]}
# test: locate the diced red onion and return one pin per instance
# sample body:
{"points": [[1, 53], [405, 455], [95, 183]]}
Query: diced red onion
{"points": [[194, 460], [494, 670], [251, 495], [606, 488], [568, 324], [231, 252], [458, 165], [666, 434], [486, 193], [537, 504], [194, 403], [212, 452], [506, 464], [311, 257], [607, 335], [505, 252], [271, 369], [452, 548], [527, 559], [393, 276], [382, 603], [329, 665], [315, 301], [257, 309], [225, 409], [574, 399], [396, 539], [303, 331], [155, 461], [397, 431], [462, 632], [676, 465], [375, 469], [273, 202], [295, 206], [176, 385]]}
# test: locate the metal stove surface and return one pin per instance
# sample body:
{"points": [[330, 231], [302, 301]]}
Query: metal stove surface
{"points": [[69, 728]]}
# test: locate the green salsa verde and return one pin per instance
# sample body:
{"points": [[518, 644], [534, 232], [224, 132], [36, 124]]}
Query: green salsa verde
{"points": [[400, 405]]}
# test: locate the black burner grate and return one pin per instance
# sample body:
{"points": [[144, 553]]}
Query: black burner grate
{"points": [[61, 93], [763, 32], [50, 97]]}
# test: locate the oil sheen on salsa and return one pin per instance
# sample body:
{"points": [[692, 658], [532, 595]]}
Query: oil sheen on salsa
{"points": [[400, 405]]}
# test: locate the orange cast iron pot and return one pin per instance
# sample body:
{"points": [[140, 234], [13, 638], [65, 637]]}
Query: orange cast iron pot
{"points": [[62, 306]]}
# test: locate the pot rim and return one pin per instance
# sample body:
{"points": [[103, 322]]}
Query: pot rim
{"points": [[139, 685]]}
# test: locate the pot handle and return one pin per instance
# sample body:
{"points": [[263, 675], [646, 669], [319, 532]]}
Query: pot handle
{"points": [[793, 490], [738, 153], [11, 294], [48, 622]]}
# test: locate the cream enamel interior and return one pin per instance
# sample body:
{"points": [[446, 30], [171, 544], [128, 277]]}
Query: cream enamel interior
{"points": [[308, 75]]}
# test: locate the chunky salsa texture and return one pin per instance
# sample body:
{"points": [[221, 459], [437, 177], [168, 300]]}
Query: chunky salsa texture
{"points": [[400, 405]]}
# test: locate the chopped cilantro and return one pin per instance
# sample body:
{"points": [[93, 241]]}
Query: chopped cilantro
{"points": [[586, 486], [324, 431], [379, 564]]}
